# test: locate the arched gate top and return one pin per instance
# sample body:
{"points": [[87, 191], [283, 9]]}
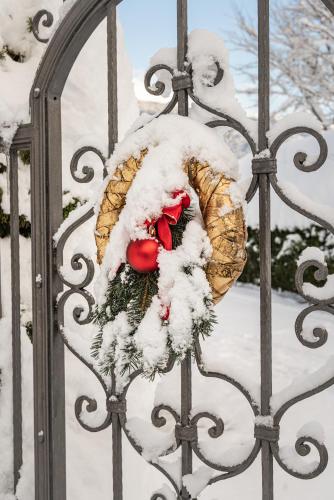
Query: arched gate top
{"points": [[64, 47]]}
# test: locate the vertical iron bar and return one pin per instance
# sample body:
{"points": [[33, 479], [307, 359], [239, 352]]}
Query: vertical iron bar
{"points": [[182, 47], [117, 455], [265, 241], [186, 405], [56, 348], [16, 323], [112, 76], [186, 389], [40, 353], [263, 73]]}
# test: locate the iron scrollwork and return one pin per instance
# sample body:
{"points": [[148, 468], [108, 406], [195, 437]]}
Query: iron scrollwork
{"points": [[87, 173], [80, 262], [159, 87], [320, 334], [46, 18], [303, 449]]}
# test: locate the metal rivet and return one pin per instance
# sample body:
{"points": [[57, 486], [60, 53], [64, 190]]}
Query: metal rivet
{"points": [[39, 281], [41, 436]]}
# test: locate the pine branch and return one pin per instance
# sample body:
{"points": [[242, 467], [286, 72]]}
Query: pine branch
{"points": [[132, 292]]}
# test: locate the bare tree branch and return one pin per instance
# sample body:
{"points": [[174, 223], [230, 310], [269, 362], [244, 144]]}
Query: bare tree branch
{"points": [[302, 57]]}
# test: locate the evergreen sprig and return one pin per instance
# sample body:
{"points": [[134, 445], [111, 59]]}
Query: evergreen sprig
{"points": [[132, 292], [204, 325], [129, 291]]}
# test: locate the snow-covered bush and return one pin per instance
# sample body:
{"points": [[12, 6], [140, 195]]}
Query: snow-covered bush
{"points": [[287, 245]]}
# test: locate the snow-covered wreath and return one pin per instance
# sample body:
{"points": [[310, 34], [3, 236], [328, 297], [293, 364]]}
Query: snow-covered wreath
{"points": [[170, 238]]}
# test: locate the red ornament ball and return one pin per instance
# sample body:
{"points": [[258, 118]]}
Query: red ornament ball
{"points": [[142, 255]]}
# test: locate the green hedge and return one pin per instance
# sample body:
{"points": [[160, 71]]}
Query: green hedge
{"points": [[287, 246], [24, 223]]}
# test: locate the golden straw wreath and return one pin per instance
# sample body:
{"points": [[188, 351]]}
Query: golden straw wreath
{"points": [[223, 221]]}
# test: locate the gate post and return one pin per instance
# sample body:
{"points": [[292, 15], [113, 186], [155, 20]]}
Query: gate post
{"points": [[48, 348], [46, 215]]}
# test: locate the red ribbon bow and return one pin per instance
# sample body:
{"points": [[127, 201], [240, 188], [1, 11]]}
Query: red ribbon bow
{"points": [[170, 216]]}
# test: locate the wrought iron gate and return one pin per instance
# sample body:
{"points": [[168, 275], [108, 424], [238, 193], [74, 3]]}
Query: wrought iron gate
{"points": [[43, 138]]}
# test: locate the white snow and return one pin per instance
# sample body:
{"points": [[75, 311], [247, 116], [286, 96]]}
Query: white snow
{"points": [[72, 217], [288, 241], [265, 420], [304, 384], [205, 49], [311, 190], [38, 278], [296, 196], [311, 253], [6, 409], [265, 153], [292, 120], [312, 429], [198, 480], [151, 337], [153, 442], [326, 292], [184, 293], [235, 350], [166, 492], [295, 462]]}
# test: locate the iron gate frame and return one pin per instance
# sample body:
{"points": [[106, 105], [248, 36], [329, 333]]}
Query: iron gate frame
{"points": [[42, 137]]}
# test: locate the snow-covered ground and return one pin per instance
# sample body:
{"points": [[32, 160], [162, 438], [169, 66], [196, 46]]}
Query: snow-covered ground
{"points": [[234, 350]]}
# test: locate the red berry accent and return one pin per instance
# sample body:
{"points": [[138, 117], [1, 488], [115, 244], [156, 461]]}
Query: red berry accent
{"points": [[165, 317]]}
